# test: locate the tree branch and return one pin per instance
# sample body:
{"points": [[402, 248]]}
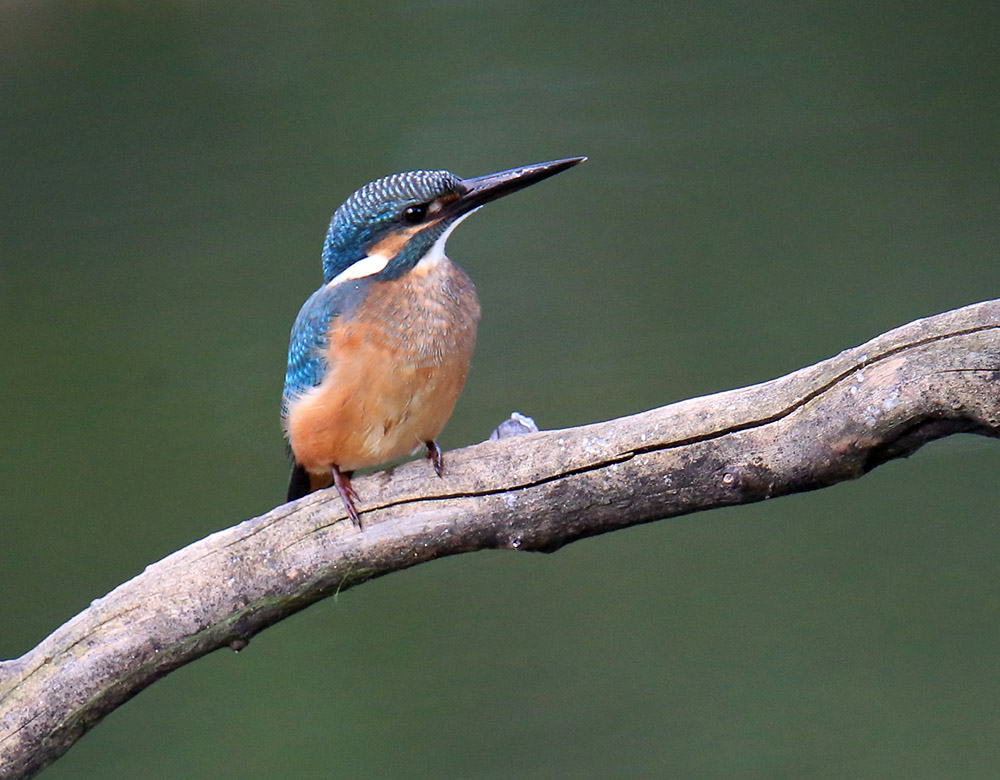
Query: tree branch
{"points": [[820, 425]]}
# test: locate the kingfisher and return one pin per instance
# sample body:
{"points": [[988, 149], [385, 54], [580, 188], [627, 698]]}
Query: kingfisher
{"points": [[379, 353]]}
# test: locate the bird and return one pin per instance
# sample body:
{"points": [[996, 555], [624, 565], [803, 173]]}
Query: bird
{"points": [[379, 353]]}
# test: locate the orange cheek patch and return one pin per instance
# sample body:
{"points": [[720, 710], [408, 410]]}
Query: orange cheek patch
{"points": [[394, 242]]}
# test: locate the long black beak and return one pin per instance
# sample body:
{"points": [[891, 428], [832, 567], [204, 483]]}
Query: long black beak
{"points": [[483, 189]]}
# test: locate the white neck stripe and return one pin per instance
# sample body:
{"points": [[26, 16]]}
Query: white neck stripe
{"points": [[366, 266]]}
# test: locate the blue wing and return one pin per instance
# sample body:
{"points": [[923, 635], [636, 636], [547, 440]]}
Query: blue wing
{"points": [[307, 362]]}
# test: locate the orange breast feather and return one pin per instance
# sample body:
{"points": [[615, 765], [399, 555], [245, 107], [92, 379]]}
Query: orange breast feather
{"points": [[396, 369]]}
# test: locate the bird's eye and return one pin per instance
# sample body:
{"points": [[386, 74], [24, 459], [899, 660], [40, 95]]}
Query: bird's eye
{"points": [[415, 214]]}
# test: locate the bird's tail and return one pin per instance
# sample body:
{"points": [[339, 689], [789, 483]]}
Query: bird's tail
{"points": [[299, 484], [302, 482]]}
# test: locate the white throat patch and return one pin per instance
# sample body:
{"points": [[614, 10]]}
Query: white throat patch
{"points": [[436, 253]]}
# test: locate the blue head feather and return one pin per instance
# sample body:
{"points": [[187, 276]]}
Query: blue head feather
{"points": [[377, 208]]}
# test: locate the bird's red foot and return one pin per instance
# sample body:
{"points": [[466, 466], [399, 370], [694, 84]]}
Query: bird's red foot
{"points": [[342, 481], [435, 457]]}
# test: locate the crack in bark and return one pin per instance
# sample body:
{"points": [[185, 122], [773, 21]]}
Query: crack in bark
{"points": [[687, 441]]}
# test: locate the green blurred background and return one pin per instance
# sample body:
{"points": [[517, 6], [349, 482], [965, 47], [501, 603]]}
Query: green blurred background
{"points": [[769, 183]]}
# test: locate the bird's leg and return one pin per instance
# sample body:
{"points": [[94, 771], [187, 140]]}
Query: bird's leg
{"points": [[342, 481], [434, 456]]}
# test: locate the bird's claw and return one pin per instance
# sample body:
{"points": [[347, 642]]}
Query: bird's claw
{"points": [[435, 457]]}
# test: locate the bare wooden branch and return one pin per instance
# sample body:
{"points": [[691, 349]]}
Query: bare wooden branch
{"points": [[826, 423]]}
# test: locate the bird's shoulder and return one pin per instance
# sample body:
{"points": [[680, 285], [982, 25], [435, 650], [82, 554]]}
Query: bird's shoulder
{"points": [[310, 333]]}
